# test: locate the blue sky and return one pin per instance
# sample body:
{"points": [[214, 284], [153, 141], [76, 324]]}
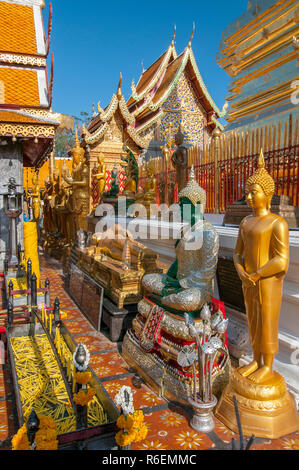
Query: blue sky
{"points": [[93, 41]]}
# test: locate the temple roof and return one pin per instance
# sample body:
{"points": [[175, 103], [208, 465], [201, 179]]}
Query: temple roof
{"points": [[99, 124], [146, 100]]}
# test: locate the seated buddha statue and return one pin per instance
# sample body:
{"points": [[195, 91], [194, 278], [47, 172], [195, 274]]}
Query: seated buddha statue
{"points": [[159, 332], [148, 195], [131, 171], [188, 284]]}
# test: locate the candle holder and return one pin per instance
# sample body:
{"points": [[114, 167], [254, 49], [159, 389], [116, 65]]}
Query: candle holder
{"points": [[208, 342]]}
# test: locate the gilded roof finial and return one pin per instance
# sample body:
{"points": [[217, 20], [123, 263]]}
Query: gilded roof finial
{"points": [[192, 34], [142, 67], [119, 93], [174, 32], [77, 143]]}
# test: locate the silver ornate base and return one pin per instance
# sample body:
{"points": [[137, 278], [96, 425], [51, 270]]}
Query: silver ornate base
{"points": [[202, 420]]}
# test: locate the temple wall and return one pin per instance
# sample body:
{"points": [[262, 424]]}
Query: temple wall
{"points": [[11, 164]]}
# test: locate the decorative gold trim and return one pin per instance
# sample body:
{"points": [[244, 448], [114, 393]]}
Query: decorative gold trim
{"points": [[23, 59], [137, 139], [27, 130]]}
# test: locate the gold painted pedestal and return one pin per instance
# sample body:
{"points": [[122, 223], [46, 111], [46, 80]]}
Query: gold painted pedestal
{"points": [[267, 411]]}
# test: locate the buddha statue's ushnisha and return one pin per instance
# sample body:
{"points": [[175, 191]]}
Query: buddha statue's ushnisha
{"points": [[261, 259], [188, 284]]}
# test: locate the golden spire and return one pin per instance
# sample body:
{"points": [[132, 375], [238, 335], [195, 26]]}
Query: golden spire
{"points": [[192, 34], [261, 177], [119, 93], [174, 33]]}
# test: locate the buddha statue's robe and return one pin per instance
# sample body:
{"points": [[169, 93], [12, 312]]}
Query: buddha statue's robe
{"points": [[263, 242], [196, 270]]}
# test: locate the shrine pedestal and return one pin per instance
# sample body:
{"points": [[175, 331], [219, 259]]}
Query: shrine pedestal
{"points": [[267, 411], [118, 320]]}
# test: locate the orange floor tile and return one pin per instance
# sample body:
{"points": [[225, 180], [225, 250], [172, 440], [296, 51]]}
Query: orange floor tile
{"points": [[168, 425]]}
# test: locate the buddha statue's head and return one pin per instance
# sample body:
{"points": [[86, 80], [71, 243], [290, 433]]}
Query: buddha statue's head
{"points": [[179, 138], [34, 179], [101, 159], [150, 167], [56, 174], [77, 152], [260, 187], [194, 197]]}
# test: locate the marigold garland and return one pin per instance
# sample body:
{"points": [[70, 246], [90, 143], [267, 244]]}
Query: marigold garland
{"points": [[132, 428], [45, 437], [83, 397], [83, 378]]}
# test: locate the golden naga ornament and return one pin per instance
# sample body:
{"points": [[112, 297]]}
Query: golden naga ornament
{"points": [[261, 259]]}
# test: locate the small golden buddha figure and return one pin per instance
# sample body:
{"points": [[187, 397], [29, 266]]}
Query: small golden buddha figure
{"points": [[189, 283], [47, 195], [101, 175], [148, 195], [179, 159], [55, 199], [79, 201], [35, 198], [131, 170], [261, 259]]}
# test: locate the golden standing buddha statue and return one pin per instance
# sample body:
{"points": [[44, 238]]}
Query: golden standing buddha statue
{"points": [[101, 175], [80, 186], [35, 198], [261, 259]]}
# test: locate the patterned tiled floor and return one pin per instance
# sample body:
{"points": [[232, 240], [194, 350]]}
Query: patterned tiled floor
{"points": [[168, 424]]}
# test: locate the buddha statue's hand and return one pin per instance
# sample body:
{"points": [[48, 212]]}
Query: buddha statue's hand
{"points": [[154, 283], [188, 300], [246, 279]]}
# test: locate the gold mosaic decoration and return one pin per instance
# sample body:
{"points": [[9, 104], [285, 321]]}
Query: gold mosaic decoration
{"points": [[183, 109]]}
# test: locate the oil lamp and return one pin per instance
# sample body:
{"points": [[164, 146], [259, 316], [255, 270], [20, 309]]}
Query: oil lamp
{"points": [[12, 208]]}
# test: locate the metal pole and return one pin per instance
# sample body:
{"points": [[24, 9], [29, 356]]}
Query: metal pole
{"points": [[10, 314], [10, 289], [29, 273], [47, 294], [33, 290]]}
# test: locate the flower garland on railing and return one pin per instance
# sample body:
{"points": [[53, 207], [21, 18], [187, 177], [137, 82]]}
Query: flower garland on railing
{"points": [[45, 437], [82, 377], [83, 397], [131, 423]]}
